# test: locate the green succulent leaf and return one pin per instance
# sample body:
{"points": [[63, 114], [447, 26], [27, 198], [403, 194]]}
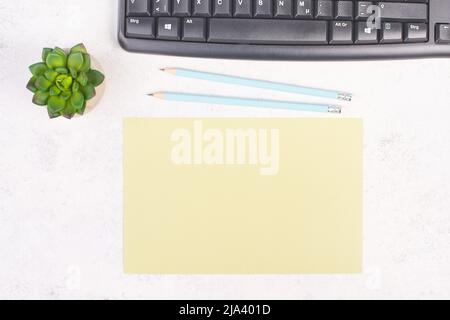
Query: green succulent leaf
{"points": [[31, 86], [75, 87], [77, 100], [69, 110], [54, 61], [83, 79], [62, 70], [60, 52], [42, 83], [40, 98], [54, 91], [73, 73], [53, 114], [81, 111], [95, 77], [59, 81], [45, 53], [56, 104], [51, 75], [66, 95], [67, 83], [79, 48], [86, 64], [61, 78], [38, 69], [88, 91], [75, 61]]}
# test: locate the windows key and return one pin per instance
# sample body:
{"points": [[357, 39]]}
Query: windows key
{"points": [[168, 28]]}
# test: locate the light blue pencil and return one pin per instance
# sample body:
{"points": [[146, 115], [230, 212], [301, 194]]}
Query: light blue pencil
{"points": [[196, 98], [261, 84]]}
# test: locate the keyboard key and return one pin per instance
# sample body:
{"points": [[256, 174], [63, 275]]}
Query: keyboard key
{"points": [[365, 35], [222, 8], [161, 7], [344, 10], [194, 29], [443, 33], [283, 9], [242, 8], [168, 29], [416, 32], [363, 10], [181, 8], [324, 9], [138, 8], [403, 11], [304, 9], [268, 31], [391, 32], [263, 9], [140, 27], [201, 8], [341, 32]]}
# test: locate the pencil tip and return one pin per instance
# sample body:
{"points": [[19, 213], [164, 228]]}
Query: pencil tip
{"points": [[162, 69], [150, 94], [170, 70]]}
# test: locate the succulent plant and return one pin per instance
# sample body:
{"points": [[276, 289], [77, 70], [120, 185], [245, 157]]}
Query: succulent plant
{"points": [[64, 81]]}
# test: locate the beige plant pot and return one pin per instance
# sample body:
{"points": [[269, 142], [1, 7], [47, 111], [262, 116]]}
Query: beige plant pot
{"points": [[100, 90]]}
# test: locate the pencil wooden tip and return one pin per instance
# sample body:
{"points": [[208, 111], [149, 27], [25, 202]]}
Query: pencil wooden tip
{"points": [[169, 70], [158, 95]]}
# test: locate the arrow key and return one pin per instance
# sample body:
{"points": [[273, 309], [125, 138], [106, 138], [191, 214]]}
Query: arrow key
{"points": [[443, 33]]}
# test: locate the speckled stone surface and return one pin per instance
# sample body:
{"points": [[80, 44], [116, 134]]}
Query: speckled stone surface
{"points": [[61, 181]]}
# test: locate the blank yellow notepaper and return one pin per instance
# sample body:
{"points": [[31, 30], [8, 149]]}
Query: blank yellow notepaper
{"points": [[242, 196]]}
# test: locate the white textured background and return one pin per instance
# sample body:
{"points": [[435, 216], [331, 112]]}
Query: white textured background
{"points": [[61, 181]]}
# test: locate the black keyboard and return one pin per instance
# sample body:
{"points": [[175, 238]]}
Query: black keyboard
{"points": [[287, 29]]}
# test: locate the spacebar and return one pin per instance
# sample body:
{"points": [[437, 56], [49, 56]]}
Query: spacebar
{"points": [[266, 31]]}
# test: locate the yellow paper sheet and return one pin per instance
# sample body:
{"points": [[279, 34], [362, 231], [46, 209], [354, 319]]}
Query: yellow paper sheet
{"points": [[242, 196]]}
